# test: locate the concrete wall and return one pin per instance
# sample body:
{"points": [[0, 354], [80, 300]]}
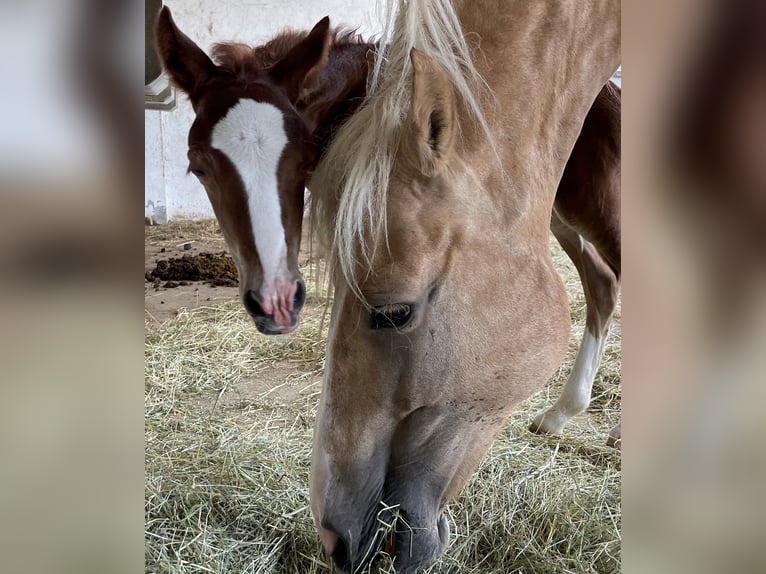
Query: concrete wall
{"points": [[170, 193]]}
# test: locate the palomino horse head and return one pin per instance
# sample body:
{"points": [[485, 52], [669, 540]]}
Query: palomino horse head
{"points": [[448, 310], [251, 149]]}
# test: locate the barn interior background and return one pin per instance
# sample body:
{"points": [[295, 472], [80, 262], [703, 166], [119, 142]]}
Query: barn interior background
{"points": [[170, 192], [229, 413]]}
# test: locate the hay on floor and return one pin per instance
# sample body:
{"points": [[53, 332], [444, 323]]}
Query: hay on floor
{"points": [[227, 472]]}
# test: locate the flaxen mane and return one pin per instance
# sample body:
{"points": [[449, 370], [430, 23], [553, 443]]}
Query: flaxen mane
{"points": [[349, 187]]}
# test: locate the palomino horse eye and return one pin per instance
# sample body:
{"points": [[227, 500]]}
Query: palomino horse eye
{"points": [[391, 316]]}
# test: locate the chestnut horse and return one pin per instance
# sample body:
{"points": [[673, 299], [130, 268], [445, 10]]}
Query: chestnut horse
{"points": [[437, 194], [316, 81], [255, 138]]}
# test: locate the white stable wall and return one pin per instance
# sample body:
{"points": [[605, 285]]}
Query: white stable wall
{"points": [[169, 192]]}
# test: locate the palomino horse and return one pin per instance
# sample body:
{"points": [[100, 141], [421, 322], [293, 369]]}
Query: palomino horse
{"points": [[586, 205], [331, 89], [448, 311]]}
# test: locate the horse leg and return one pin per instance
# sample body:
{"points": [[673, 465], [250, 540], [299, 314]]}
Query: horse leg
{"points": [[601, 287]]}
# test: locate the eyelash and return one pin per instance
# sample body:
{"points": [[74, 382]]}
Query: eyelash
{"points": [[393, 316]]}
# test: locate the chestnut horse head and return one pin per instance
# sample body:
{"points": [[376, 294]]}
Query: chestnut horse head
{"points": [[252, 145], [448, 310]]}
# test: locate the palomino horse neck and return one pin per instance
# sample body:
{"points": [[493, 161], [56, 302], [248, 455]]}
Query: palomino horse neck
{"points": [[463, 315], [252, 145]]}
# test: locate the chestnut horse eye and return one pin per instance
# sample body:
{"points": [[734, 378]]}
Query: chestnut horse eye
{"points": [[197, 172], [391, 316]]}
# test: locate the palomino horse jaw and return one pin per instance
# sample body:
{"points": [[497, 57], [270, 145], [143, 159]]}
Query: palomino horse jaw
{"points": [[276, 311]]}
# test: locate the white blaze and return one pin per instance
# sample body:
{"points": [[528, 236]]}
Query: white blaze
{"points": [[252, 136]]}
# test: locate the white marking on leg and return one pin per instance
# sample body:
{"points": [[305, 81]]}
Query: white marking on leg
{"points": [[252, 135], [576, 395]]}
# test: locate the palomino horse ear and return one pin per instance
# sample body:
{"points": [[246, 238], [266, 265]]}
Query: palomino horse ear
{"points": [[298, 70], [186, 64], [432, 112]]}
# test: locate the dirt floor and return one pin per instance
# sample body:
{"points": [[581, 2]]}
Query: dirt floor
{"points": [[283, 381], [163, 303], [196, 251]]}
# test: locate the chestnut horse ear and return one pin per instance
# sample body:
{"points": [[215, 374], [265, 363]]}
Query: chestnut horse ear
{"points": [[432, 116], [299, 69], [186, 64]]}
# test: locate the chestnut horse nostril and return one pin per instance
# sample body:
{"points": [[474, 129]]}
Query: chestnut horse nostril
{"points": [[253, 305], [300, 295]]}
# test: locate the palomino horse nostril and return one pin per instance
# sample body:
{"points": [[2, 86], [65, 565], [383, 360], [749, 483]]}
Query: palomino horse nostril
{"points": [[253, 305], [341, 555], [300, 296], [343, 552]]}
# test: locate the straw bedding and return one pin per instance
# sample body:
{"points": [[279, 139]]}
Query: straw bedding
{"points": [[229, 417]]}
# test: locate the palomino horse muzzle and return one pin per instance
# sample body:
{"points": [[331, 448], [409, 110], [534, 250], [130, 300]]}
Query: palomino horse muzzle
{"points": [[276, 317], [418, 537], [379, 505]]}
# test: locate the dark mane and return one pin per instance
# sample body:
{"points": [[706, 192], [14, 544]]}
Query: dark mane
{"points": [[244, 61]]}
